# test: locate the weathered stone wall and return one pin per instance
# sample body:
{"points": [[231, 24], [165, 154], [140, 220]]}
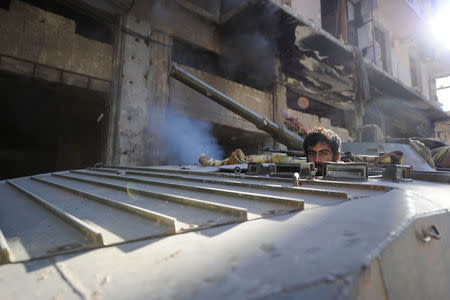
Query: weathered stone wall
{"points": [[311, 121], [174, 20], [442, 130], [211, 6], [38, 43], [187, 101]]}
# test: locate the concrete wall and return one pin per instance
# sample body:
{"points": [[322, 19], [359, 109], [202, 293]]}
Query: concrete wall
{"points": [[400, 61], [211, 6], [406, 30], [311, 121], [189, 102], [171, 18], [401, 68], [309, 9], [30, 33]]}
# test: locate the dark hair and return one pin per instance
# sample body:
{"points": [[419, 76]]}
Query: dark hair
{"points": [[327, 136]]}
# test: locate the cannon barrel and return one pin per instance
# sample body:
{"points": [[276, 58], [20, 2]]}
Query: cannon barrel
{"points": [[278, 133]]}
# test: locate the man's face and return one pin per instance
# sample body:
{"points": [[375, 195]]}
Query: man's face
{"points": [[319, 153]]}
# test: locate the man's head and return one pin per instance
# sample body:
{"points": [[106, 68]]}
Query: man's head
{"points": [[321, 145]]}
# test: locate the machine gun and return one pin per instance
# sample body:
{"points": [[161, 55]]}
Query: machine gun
{"points": [[279, 133]]}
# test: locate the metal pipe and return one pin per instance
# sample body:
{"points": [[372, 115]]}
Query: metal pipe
{"points": [[279, 133]]}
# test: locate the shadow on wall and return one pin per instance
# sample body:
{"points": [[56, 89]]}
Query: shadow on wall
{"points": [[181, 139]]}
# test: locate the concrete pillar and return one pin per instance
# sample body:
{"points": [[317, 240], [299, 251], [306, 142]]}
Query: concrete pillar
{"points": [[353, 121], [140, 96], [112, 156], [279, 101], [158, 96], [279, 108]]}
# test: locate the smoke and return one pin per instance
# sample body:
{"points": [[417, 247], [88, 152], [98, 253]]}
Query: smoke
{"points": [[247, 43], [249, 55], [399, 118], [249, 46], [182, 140]]}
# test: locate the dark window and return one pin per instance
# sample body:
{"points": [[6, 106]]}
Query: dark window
{"points": [[186, 54], [329, 16], [5, 4], [443, 92], [48, 127], [358, 15], [354, 21], [336, 17], [256, 72]]}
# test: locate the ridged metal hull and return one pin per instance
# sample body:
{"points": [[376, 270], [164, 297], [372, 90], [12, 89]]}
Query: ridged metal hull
{"points": [[190, 232]]}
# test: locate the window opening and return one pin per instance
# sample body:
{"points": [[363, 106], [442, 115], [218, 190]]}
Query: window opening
{"points": [[443, 92]]}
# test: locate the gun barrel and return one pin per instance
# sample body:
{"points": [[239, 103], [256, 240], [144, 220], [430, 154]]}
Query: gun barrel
{"points": [[288, 152], [278, 133]]}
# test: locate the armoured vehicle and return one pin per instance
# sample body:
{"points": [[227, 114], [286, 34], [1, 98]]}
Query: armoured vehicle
{"points": [[195, 232]]}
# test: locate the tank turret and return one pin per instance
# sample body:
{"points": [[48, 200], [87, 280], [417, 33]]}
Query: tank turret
{"points": [[279, 133]]}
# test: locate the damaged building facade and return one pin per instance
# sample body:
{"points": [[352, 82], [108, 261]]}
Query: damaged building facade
{"points": [[88, 81]]}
